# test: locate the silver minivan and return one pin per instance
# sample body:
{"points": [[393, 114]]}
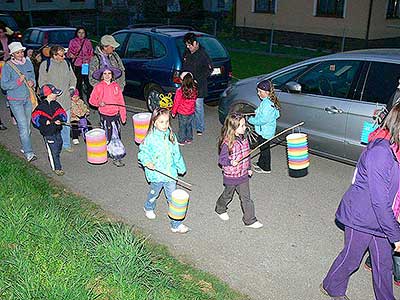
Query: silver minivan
{"points": [[334, 95]]}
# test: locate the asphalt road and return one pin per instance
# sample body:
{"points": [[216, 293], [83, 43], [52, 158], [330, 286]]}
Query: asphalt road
{"points": [[286, 259]]}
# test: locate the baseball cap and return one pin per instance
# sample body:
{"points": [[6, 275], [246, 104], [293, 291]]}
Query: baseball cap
{"points": [[48, 89], [108, 40], [264, 85]]}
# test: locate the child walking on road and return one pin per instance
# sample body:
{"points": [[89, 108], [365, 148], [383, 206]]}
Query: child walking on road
{"points": [[47, 117], [79, 113], [265, 123], [107, 96], [233, 147], [184, 106], [160, 152]]}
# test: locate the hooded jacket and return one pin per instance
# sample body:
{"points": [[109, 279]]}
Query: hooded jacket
{"points": [[367, 204], [166, 156]]}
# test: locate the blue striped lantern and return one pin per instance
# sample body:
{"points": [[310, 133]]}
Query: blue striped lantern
{"points": [[297, 151], [177, 207]]}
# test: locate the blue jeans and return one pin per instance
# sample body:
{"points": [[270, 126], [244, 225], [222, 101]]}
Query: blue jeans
{"points": [[155, 189], [22, 110], [66, 132], [185, 128], [199, 114]]}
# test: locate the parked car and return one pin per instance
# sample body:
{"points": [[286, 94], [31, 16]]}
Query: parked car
{"points": [[152, 56], [37, 37], [334, 95], [9, 22]]}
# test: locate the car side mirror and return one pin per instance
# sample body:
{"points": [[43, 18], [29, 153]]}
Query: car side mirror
{"points": [[292, 87]]}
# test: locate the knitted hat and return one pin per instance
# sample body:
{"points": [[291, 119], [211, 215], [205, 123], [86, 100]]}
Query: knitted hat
{"points": [[264, 85]]}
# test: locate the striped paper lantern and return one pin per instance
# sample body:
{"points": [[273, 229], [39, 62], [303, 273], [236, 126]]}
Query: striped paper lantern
{"points": [[96, 146], [178, 205], [141, 122], [297, 150]]}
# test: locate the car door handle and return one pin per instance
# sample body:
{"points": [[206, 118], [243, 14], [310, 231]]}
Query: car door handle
{"points": [[333, 110]]}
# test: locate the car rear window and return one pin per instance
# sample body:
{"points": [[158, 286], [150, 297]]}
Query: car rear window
{"points": [[62, 36], [212, 46]]}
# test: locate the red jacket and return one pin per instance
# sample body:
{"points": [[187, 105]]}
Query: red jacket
{"points": [[184, 106], [111, 95]]}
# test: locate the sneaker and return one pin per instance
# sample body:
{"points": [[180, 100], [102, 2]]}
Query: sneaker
{"points": [[257, 169], [199, 133], [13, 121], [188, 142], [323, 291], [149, 214], [32, 157], [224, 216], [118, 163], [75, 141], [255, 225], [181, 144], [69, 149], [180, 229], [22, 151], [367, 267], [2, 127], [59, 172], [396, 282]]}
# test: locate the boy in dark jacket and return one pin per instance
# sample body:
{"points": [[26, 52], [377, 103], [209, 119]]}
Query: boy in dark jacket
{"points": [[47, 117]]}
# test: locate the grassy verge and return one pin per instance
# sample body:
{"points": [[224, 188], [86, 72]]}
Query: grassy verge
{"points": [[246, 65], [56, 245]]}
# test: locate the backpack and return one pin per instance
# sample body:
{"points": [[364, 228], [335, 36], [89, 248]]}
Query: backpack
{"points": [[48, 60]]}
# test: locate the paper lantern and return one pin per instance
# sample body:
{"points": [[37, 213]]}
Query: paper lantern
{"points": [[96, 146], [178, 205], [297, 150], [141, 122], [368, 127]]}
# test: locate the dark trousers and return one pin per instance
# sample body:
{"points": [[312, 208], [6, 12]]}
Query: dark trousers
{"points": [[53, 146], [264, 160], [349, 260], [80, 79], [185, 128], [243, 189], [79, 127]]}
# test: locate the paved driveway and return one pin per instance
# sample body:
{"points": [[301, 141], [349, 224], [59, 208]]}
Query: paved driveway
{"points": [[286, 259]]}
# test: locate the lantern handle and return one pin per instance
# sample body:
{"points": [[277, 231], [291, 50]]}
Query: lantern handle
{"points": [[274, 137]]}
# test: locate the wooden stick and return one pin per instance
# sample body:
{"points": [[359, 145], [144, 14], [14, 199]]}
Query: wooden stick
{"points": [[179, 181], [274, 137]]}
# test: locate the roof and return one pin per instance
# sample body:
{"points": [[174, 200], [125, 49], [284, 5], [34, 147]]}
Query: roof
{"points": [[382, 54], [169, 31], [48, 28]]}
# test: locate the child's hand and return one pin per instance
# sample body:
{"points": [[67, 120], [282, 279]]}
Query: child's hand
{"points": [[250, 173], [173, 116], [102, 104], [47, 122], [58, 122], [150, 166], [234, 163]]}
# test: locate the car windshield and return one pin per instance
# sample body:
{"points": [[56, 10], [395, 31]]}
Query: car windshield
{"points": [[61, 37], [9, 21], [212, 46]]}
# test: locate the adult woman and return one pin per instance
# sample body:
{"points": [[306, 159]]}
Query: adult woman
{"points": [[16, 85], [369, 211], [80, 51]]}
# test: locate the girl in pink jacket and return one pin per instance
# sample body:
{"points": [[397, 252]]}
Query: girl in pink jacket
{"points": [[107, 96]]}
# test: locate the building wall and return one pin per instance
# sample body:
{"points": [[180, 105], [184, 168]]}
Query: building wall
{"points": [[32, 5], [299, 16]]}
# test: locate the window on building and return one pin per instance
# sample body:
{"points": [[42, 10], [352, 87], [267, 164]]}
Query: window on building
{"points": [[393, 9], [44, 1], [330, 8], [10, 1], [264, 6], [221, 4]]}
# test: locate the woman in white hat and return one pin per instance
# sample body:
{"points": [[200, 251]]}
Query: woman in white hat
{"points": [[17, 76]]}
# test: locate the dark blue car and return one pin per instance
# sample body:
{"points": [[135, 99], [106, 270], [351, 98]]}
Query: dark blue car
{"points": [[37, 37], [153, 60]]}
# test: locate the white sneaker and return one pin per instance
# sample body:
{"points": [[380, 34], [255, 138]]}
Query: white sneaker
{"points": [[224, 216], [150, 214], [75, 141], [180, 229], [255, 225]]}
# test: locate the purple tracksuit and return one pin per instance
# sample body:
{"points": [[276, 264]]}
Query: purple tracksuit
{"points": [[366, 211]]}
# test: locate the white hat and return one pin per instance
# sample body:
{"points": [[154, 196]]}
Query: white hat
{"points": [[15, 46], [184, 73]]}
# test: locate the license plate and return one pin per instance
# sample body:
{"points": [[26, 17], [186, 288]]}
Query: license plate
{"points": [[216, 71]]}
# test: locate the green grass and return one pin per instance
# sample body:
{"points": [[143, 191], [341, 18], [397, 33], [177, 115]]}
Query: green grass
{"points": [[56, 245], [246, 65]]}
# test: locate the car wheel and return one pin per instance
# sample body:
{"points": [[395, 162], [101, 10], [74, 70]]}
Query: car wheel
{"points": [[152, 96], [248, 111]]}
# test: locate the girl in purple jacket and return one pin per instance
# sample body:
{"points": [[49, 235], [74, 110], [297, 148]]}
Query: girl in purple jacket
{"points": [[369, 213], [233, 150]]}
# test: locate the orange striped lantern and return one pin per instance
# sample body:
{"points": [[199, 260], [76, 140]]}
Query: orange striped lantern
{"points": [[297, 150], [96, 146], [177, 207], [141, 122]]}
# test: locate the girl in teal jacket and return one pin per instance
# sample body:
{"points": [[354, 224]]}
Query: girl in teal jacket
{"points": [[160, 151], [265, 123]]}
